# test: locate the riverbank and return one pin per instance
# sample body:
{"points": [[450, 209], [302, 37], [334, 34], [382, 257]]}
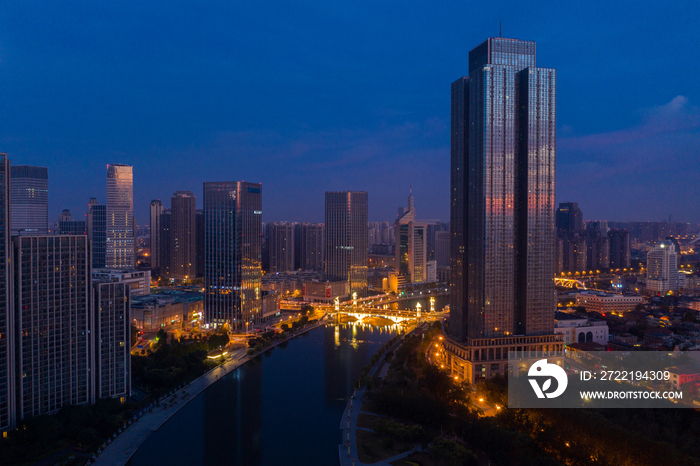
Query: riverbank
{"points": [[125, 445], [347, 451]]}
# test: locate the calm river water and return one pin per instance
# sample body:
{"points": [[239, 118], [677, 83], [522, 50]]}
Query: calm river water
{"points": [[280, 409]]}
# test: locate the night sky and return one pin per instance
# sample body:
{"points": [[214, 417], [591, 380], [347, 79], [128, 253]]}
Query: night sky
{"points": [[307, 97]]}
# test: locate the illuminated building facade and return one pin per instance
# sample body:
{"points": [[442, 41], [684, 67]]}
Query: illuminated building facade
{"points": [[411, 245], [232, 253], [156, 210], [346, 239], [120, 252], [30, 200], [502, 204]]}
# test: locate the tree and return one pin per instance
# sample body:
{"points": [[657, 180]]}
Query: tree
{"points": [[161, 337], [689, 317], [134, 335]]}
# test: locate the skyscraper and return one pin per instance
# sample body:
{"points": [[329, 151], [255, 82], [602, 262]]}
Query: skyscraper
{"points": [[346, 239], [97, 232], [662, 268], [30, 200], [120, 252], [199, 221], [442, 248], [112, 340], [619, 249], [569, 217], [502, 195], [183, 236], [233, 253], [156, 211], [66, 225], [7, 325], [309, 246], [410, 245], [280, 246], [53, 323]]}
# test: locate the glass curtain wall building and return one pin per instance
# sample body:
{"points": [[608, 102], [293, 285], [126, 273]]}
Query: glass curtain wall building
{"points": [[183, 236], [346, 239], [120, 252], [97, 232], [30, 200], [232, 253], [502, 194]]}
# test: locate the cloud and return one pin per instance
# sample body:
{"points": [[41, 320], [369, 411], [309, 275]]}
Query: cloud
{"points": [[648, 170]]}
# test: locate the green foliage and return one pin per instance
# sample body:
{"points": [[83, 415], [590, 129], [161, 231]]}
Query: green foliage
{"points": [[217, 341], [400, 431], [285, 327], [134, 335], [83, 424], [161, 337], [451, 453]]}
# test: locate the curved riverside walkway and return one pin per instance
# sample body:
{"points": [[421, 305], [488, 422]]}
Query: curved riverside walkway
{"points": [[347, 451], [125, 445]]}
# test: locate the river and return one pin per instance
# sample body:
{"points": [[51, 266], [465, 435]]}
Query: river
{"points": [[283, 408]]}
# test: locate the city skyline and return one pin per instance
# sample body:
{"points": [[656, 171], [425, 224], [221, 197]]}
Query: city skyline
{"points": [[613, 125]]}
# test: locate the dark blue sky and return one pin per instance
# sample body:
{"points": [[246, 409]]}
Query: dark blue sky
{"points": [[307, 97]]}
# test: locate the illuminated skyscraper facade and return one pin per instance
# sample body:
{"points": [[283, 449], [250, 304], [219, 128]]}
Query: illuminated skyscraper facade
{"points": [[30, 200], [346, 239], [502, 195], [156, 209], [232, 253], [120, 252]]}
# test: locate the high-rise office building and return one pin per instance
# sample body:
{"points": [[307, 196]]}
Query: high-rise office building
{"points": [[410, 243], [120, 252], [442, 248], [280, 247], [183, 236], [619, 241], [7, 322], [662, 268], [597, 250], [432, 229], [199, 223], [52, 294], [156, 211], [232, 253], [569, 217], [502, 213], [164, 246], [346, 239], [96, 225], [112, 340], [30, 200], [309, 246], [66, 225]]}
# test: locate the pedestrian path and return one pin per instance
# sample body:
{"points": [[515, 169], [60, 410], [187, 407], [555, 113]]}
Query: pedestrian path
{"points": [[347, 451], [125, 445]]}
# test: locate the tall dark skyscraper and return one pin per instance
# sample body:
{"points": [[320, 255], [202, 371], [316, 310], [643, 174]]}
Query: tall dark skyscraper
{"points": [[309, 246], [156, 209], [346, 239], [569, 217], [53, 323], [30, 200], [502, 197], [183, 236], [97, 232], [7, 326], [619, 249], [232, 253], [280, 246]]}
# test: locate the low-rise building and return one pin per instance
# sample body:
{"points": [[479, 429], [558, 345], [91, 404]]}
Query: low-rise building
{"points": [[577, 329], [139, 281], [683, 374], [607, 303], [325, 291], [166, 307]]}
